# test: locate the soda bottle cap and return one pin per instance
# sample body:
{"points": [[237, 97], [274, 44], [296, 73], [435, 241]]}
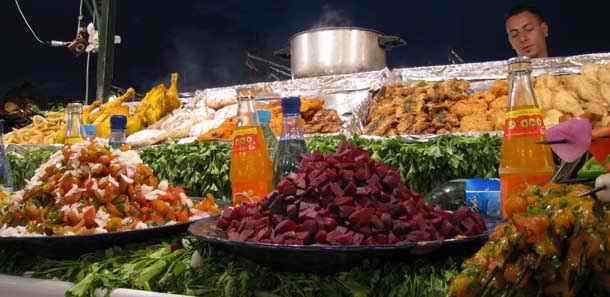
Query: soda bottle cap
{"points": [[74, 107], [291, 106], [264, 116], [118, 122]]}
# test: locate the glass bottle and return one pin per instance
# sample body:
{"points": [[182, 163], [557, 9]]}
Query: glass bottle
{"points": [[118, 123], [74, 133], [251, 171], [523, 161], [264, 116], [292, 142], [6, 177]]}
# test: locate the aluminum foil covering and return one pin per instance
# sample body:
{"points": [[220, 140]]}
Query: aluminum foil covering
{"points": [[498, 69]]}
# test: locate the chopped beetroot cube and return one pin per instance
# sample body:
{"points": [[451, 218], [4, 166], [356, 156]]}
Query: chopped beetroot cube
{"points": [[263, 234], [361, 216], [321, 236], [345, 211], [285, 226], [233, 235], [345, 201], [357, 239]]}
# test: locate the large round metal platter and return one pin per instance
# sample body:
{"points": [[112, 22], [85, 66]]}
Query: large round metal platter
{"points": [[71, 245], [326, 258]]}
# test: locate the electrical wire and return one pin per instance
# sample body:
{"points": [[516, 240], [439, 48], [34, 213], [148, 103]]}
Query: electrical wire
{"points": [[28, 24], [87, 78], [88, 59], [80, 17]]}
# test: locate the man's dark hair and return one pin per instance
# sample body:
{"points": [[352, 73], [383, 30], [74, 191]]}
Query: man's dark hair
{"points": [[524, 7]]}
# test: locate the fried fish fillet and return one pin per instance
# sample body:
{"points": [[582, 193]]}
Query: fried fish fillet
{"points": [[499, 88], [585, 89], [470, 106], [552, 117], [544, 96], [566, 102], [475, 122], [590, 72], [603, 73]]}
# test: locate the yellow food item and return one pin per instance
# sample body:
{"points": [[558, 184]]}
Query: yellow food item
{"points": [[171, 95], [43, 130], [152, 107], [565, 101], [157, 102], [552, 117], [135, 123], [224, 131]]}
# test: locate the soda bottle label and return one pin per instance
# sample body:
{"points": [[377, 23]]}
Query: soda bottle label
{"points": [[245, 140], [524, 122]]}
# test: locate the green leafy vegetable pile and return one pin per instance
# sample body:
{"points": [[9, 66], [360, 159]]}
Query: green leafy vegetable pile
{"points": [[24, 164], [200, 168], [167, 268]]}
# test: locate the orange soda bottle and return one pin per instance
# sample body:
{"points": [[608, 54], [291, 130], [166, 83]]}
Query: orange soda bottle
{"points": [[523, 161], [251, 172]]}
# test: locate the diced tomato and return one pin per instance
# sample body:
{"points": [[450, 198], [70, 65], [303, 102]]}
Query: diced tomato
{"points": [[32, 212], [171, 214], [114, 224], [113, 210], [176, 190], [131, 192], [160, 207], [18, 215], [169, 197], [152, 181], [73, 198], [182, 216], [533, 227], [115, 169], [89, 216], [208, 205], [73, 218], [88, 184], [157, 219], [104, 159]]}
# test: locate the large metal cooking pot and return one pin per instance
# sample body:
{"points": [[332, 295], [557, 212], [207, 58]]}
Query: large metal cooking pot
{"points": [[338, 50]]}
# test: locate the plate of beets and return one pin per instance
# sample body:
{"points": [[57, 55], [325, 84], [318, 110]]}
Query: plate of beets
{"points": [[336, 210]]}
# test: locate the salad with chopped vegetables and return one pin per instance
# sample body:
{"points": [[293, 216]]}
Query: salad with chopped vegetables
{"points": [[87, 188]]}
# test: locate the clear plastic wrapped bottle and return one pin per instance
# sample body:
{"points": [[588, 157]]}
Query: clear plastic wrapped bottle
{"points": [[74, 131], [118, 124], [292, 142]]}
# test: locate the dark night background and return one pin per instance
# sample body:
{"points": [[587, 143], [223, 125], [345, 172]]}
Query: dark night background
{"points": [[206, 41]]}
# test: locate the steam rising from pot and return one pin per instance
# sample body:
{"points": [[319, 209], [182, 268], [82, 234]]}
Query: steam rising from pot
{"points": [[333, 18]]}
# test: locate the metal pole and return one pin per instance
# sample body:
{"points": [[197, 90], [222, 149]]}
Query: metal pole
{"points": [[105, 60]]}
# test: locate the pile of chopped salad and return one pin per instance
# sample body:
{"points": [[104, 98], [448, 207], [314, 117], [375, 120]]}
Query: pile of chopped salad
{"points": [[87, 188]]}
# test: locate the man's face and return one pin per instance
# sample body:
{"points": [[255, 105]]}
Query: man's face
{"points": [[527, 35]]}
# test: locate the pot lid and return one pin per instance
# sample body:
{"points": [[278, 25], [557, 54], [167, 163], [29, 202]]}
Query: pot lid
{"points": [[334, 29]]}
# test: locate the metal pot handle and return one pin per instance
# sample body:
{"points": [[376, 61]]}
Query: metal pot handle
{"points": [[389, 42], [283, 53]]}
